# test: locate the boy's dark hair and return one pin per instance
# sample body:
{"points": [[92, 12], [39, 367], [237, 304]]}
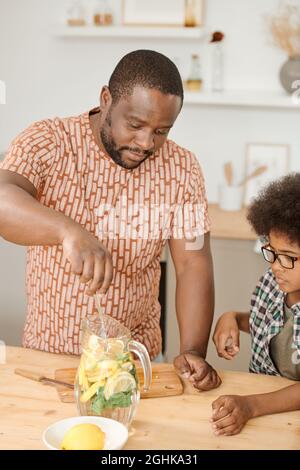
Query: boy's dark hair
{"points": [[277, 208], [148, 69]]}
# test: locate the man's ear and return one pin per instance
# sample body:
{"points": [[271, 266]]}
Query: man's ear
{"points": [[105, 98]]}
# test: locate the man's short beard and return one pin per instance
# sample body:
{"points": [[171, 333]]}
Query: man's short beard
{"points": [[111, 147]]}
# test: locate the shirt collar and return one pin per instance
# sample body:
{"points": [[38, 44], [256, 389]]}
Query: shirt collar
{"points": [[277, 297]]}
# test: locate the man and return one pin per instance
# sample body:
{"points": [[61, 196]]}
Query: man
{"points": [[63, 186]]}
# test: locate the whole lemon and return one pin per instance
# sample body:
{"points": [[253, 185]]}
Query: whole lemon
{"points": [[83, 437]]}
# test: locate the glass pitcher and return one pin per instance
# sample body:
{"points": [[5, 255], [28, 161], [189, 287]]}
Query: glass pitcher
{"points": [[106, 382]]}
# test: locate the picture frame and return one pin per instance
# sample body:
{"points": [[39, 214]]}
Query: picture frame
{"points": [[275, 157], [159, 13]]}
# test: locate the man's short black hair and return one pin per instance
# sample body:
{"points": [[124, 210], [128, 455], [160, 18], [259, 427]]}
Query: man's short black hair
{"points": [[277, 208], [148, 69]]}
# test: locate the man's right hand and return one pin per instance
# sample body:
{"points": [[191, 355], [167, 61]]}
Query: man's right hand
{"points": [[89, 259], [192, 366], [227, 336]]}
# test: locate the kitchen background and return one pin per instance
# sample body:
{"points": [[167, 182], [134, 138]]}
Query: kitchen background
{"points": [[52, 70]]}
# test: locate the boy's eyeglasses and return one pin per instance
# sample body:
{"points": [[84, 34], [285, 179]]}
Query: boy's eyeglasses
{"points": [[285, 261]]}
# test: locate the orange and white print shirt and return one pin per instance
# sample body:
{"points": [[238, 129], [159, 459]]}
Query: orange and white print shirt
{"points": [[123, 208]]}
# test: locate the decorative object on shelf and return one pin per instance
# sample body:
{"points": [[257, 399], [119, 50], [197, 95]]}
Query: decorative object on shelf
{"points": [[275, 157], [103, 15], [194, 12], [285, 29], [76, 14], [230, 195], [194, 79], [160, 13], [257, 172], [290, 74], [217, 61], [228, 172]]}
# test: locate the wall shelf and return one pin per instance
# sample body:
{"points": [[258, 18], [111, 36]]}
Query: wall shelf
{"points": [[229, 98], [244, 98], [129, 31]]}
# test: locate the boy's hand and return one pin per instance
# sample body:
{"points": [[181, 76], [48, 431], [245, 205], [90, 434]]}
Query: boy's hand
{"points": [[191, 366], [230, 414], [227, 336]]}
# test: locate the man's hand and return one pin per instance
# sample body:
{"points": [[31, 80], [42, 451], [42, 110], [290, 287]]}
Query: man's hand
{"points": [[89, 259], [230, 414], [227, 336], [190, 365]]}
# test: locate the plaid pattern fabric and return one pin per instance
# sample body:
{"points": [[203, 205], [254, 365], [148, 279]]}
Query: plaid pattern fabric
{"points": [[266, 321]]}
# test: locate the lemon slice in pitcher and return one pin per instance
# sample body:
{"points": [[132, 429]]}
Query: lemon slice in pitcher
{"points": [[115, 346], [120, 382]]}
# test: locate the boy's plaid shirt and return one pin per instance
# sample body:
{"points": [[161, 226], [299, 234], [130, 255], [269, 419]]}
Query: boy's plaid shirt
{"points": [[266, 320]]}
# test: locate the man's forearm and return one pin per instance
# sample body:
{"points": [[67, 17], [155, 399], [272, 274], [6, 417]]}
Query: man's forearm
{"points": [[286, 399], [195, 306], [23, 220]]}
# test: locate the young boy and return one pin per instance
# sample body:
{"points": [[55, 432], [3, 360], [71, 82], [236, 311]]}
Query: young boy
{"points": [[274, 318]]}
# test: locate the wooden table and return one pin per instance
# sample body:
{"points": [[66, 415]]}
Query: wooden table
{"points": [[180, 422]]}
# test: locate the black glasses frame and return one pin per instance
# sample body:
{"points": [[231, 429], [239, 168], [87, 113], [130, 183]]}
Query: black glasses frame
{"points": [[278, 256]]}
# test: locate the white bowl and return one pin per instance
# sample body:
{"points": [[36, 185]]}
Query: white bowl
{"points": [[116, 433]]}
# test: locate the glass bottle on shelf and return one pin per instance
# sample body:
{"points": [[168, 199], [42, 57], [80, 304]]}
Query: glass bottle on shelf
{"points": [[190, 13], [103, 15], [75, 14], [217, 61], [194, 80]]}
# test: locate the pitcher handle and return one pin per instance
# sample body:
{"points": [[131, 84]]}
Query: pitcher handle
{"points": [[142, 353]]}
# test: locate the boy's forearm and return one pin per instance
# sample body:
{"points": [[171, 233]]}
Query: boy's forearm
{"points": [[243, 321], [286, 399], [25, 221]]}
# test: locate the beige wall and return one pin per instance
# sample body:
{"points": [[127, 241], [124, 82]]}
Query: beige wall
{"points": [[237, 269]]}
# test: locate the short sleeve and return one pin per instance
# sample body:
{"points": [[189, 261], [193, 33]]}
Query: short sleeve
{"points": [[191, 218], [31, 153]]}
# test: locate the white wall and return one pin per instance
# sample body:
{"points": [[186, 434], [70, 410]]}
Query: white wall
{"points": [[46, 76]]}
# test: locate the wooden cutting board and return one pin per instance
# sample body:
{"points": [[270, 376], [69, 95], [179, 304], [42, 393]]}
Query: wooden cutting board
{"points": [[165, 382]]}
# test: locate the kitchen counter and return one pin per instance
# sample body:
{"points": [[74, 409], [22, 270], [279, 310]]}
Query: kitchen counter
{"points": [[180, 422], [232, 225]]}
